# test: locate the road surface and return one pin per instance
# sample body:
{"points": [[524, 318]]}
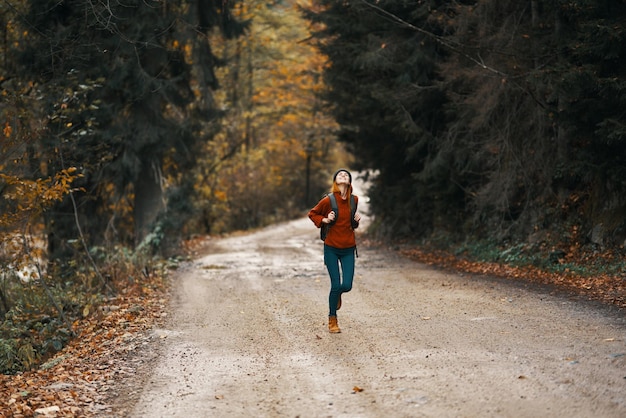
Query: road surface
{"points": [[248, 337]]}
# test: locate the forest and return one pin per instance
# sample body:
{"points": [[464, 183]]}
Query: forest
{"points": [[488, 129]]}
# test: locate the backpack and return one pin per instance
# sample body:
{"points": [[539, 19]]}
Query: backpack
{"points": [[333, 206]]}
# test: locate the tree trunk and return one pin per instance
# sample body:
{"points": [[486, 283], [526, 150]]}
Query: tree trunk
{"points": [[5, 304], [561, 135], [534, 21], [149, 201]]}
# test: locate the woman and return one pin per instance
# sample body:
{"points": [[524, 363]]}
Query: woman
{"points": [[340, 242]]}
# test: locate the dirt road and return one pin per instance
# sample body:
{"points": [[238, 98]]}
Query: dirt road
{"points": [[248, 338]]}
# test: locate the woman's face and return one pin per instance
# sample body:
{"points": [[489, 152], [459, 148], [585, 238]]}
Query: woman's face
{"points": [[342, 178]]}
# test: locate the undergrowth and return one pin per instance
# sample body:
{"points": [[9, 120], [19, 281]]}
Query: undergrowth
{"points": [[577, 260], [33, 328]]}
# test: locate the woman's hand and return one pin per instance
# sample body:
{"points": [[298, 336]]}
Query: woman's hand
{"points": [[329, 218], [357, 216]]}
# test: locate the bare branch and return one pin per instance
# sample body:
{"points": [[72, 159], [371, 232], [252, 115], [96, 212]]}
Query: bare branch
{"points": [[439, 39]]}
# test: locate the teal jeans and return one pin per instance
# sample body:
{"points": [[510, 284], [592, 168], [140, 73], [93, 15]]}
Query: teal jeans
{"points": [[340, 265]]}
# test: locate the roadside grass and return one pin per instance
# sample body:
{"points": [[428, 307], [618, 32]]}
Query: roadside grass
{"points": [[594, 273]]}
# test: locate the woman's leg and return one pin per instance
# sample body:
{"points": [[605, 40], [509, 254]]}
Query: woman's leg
{"points": [[331, 260], [347, 270]]}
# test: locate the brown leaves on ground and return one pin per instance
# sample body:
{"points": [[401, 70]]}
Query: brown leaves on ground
{"points": [[78, 378], [606, 288]]}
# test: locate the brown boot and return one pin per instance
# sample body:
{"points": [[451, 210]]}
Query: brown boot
{"points": [[339, 302], [333, 328]]}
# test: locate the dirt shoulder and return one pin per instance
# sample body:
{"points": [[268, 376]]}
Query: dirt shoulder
{"points": [[247, 336]]}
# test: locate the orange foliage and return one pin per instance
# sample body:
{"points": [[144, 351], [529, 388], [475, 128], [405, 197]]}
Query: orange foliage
{"points": [[39, 193], [275, 130], [7, 130]]}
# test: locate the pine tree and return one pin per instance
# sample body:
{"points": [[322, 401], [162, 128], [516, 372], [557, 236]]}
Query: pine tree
{"points": [[116, 83], [496, 118], [383, 86]]}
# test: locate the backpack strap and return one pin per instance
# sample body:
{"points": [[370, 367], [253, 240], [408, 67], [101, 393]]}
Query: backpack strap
{"points": [[333, 207], [353, 206]]}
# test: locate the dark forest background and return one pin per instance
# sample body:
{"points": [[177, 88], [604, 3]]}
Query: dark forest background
{"points": [[131, 127], [500, 120]]}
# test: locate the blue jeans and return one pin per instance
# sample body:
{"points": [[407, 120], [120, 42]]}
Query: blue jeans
{"points": [[333, 258]]}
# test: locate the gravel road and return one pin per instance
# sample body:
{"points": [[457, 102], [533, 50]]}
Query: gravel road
{"points": [[248, 337]]}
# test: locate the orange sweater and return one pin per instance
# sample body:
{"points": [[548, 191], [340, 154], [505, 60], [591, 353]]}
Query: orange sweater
{"points": [[340, 234]]}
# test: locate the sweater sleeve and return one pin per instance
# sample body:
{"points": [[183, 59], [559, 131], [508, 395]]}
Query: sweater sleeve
{"points": [[320, 211]]}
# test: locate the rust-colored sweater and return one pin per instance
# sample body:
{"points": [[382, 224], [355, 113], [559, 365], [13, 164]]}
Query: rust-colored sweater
{"points": [[340, 234]]}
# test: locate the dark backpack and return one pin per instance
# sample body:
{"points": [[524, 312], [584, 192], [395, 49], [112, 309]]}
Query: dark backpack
{"points": [[333, 206]]}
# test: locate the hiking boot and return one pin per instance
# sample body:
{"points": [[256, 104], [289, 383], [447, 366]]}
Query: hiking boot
{"points": [[333, 328]]}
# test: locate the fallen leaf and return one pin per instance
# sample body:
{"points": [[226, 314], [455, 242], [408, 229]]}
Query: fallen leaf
{"points": [[357, 389]]}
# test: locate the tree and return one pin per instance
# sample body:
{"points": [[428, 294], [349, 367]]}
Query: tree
{"points": [[382, 80], [118, 87], [500, 116], [116, 98], [274, 130], [529, 137]]}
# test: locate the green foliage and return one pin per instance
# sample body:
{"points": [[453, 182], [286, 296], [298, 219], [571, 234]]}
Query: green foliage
{"points": [[32, 330], [525, 255], [152, 241], [120, 94], [8, 356], [383, 86]]}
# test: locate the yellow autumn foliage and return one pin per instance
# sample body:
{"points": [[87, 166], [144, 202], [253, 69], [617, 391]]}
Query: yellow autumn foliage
{"points": [[275, 129]]}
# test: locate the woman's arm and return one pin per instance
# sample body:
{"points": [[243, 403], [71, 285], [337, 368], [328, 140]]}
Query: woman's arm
{"points": [[319, 214]]}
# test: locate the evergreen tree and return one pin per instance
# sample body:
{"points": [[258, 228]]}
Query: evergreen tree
{"points": [[116, 84], [502, 117], [383, 85], [528, 138]]}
